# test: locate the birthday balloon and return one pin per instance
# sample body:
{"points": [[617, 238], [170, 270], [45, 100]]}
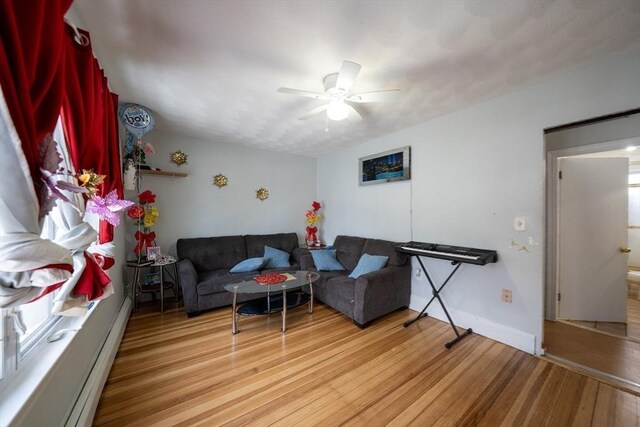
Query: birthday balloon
{"points": [[137, 119]]}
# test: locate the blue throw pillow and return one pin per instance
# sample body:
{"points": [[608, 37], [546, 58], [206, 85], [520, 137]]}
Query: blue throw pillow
{"points": [[367, 264], [325, 260], [248, 265], [277, 258]]}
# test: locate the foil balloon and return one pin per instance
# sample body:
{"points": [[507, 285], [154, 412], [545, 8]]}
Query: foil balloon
{"points": [[137, 119]]}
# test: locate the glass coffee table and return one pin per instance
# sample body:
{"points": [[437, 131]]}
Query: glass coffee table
{"points": [[280, 296]]}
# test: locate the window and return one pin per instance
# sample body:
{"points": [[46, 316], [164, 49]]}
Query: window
{"points": [[24, 329]]}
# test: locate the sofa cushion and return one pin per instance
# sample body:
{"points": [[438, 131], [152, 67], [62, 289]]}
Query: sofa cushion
{"points": [[321, 283], [348, 250], [386, 248], [325, 260], [342, 286], [213, 253], [256, 242], [250, 264], [367, 264], [214, 281], [276, 258]]}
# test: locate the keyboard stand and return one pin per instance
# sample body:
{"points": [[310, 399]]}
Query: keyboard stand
{"points": [[436, 295]]}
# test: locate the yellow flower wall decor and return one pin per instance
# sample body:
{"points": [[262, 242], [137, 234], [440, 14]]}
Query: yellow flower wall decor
{"points": [[179, 158], [220, 180], [262, 194]]}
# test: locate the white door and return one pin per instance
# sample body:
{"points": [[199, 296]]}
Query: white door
{"points": [[592, 229]]}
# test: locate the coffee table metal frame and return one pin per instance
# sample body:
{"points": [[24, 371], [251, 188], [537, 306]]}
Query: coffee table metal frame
{"points": [[303, 278]]}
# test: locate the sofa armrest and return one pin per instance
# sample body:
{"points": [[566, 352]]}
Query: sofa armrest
{"points": [[297, 254], [381, 292], [189, 282], [306, 261]]}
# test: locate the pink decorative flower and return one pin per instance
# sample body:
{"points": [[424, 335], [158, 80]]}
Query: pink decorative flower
{"points": [[148, 150], [109, 207]]}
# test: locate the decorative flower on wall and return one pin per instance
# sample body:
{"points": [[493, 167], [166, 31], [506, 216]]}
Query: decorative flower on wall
{"points": [[220, 180], [179, 158], [262, 194]]}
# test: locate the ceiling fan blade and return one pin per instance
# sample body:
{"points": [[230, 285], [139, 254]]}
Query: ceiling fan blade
{"points": [[303, 93], [354, 116], [347, 75], [313, 112], [379, 96]]}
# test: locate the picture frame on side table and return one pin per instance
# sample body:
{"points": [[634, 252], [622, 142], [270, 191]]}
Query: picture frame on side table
{"points": [[153, 252]]}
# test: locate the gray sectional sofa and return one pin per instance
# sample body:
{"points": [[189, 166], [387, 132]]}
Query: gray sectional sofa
{"points": [[205, 262], [371, 295]]}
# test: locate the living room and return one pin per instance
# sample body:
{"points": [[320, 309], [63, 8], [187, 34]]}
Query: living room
{"points": [[476, 127]]}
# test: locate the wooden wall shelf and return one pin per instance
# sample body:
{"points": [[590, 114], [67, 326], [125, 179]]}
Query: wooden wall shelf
{"points": [[163, 173]]}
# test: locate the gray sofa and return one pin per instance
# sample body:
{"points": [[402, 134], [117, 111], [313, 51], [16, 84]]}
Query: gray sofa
{"points": [[371, 295], [205, 262]]}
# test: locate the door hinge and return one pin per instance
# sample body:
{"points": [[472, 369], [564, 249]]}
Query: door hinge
{"points": [[560, 175], [559, 297]]}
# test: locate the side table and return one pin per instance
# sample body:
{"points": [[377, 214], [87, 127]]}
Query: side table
{"points": [[311, 248], [137, 287]]}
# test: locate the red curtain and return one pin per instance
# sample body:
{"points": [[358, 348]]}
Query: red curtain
{"points": [[44, 73], [90, 121], [32, 70]]}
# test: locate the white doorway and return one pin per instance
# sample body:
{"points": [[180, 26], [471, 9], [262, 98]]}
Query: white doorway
{"points": [[598, 330], [598, 293]]}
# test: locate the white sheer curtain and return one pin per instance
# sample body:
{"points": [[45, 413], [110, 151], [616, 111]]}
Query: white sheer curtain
{"points": [[23, 253]]}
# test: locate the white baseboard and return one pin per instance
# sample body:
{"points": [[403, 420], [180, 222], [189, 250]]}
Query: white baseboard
{"points": [[510, 336], [85, 407]]}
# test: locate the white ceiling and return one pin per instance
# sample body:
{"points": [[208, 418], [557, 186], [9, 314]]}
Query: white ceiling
{"points": [[211, 68]]}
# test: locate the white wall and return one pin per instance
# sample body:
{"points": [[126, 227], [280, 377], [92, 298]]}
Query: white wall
{"points": [[473, 171], [194, 207]]}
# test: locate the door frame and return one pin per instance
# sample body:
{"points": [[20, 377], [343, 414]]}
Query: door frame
{"points": [[552, 196]]}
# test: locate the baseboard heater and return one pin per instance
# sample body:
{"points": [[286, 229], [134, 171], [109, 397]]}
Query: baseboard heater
{"points": [[85, 407]]}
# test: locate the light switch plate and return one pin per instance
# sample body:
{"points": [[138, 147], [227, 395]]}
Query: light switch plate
{"points": [[520, 223]]}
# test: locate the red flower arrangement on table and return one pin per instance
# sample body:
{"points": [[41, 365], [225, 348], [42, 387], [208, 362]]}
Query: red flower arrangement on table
{"points": [[312, 218], [270, 278], [145, 216]]}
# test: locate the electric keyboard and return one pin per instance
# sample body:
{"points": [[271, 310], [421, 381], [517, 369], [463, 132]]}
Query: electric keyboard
{"points": [[451, 253]]}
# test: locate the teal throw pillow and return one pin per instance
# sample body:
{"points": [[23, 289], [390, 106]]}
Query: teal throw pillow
{"points": [[367, 264], [248, 265], [325, 260], [277, 258]]}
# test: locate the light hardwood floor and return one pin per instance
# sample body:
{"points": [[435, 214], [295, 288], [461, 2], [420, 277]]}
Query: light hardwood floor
{"points": [[606, 353], [324, 371]]}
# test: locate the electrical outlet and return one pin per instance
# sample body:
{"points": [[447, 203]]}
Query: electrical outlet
{"points": [[506, 296], [418, 272]]}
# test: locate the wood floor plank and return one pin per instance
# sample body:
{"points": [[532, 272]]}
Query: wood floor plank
{"points": [[172, 370], [615, 408], [609, 354]]}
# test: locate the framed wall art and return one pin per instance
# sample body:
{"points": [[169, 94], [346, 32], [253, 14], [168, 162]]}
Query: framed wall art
{"points": [[388, 166]]}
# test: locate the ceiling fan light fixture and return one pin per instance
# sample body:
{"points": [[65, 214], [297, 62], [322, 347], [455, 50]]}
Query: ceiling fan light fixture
{"points": [[337, 110]]}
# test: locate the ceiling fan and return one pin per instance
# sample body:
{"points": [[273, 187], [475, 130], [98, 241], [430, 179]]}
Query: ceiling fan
{"points": [[337, 87]]}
